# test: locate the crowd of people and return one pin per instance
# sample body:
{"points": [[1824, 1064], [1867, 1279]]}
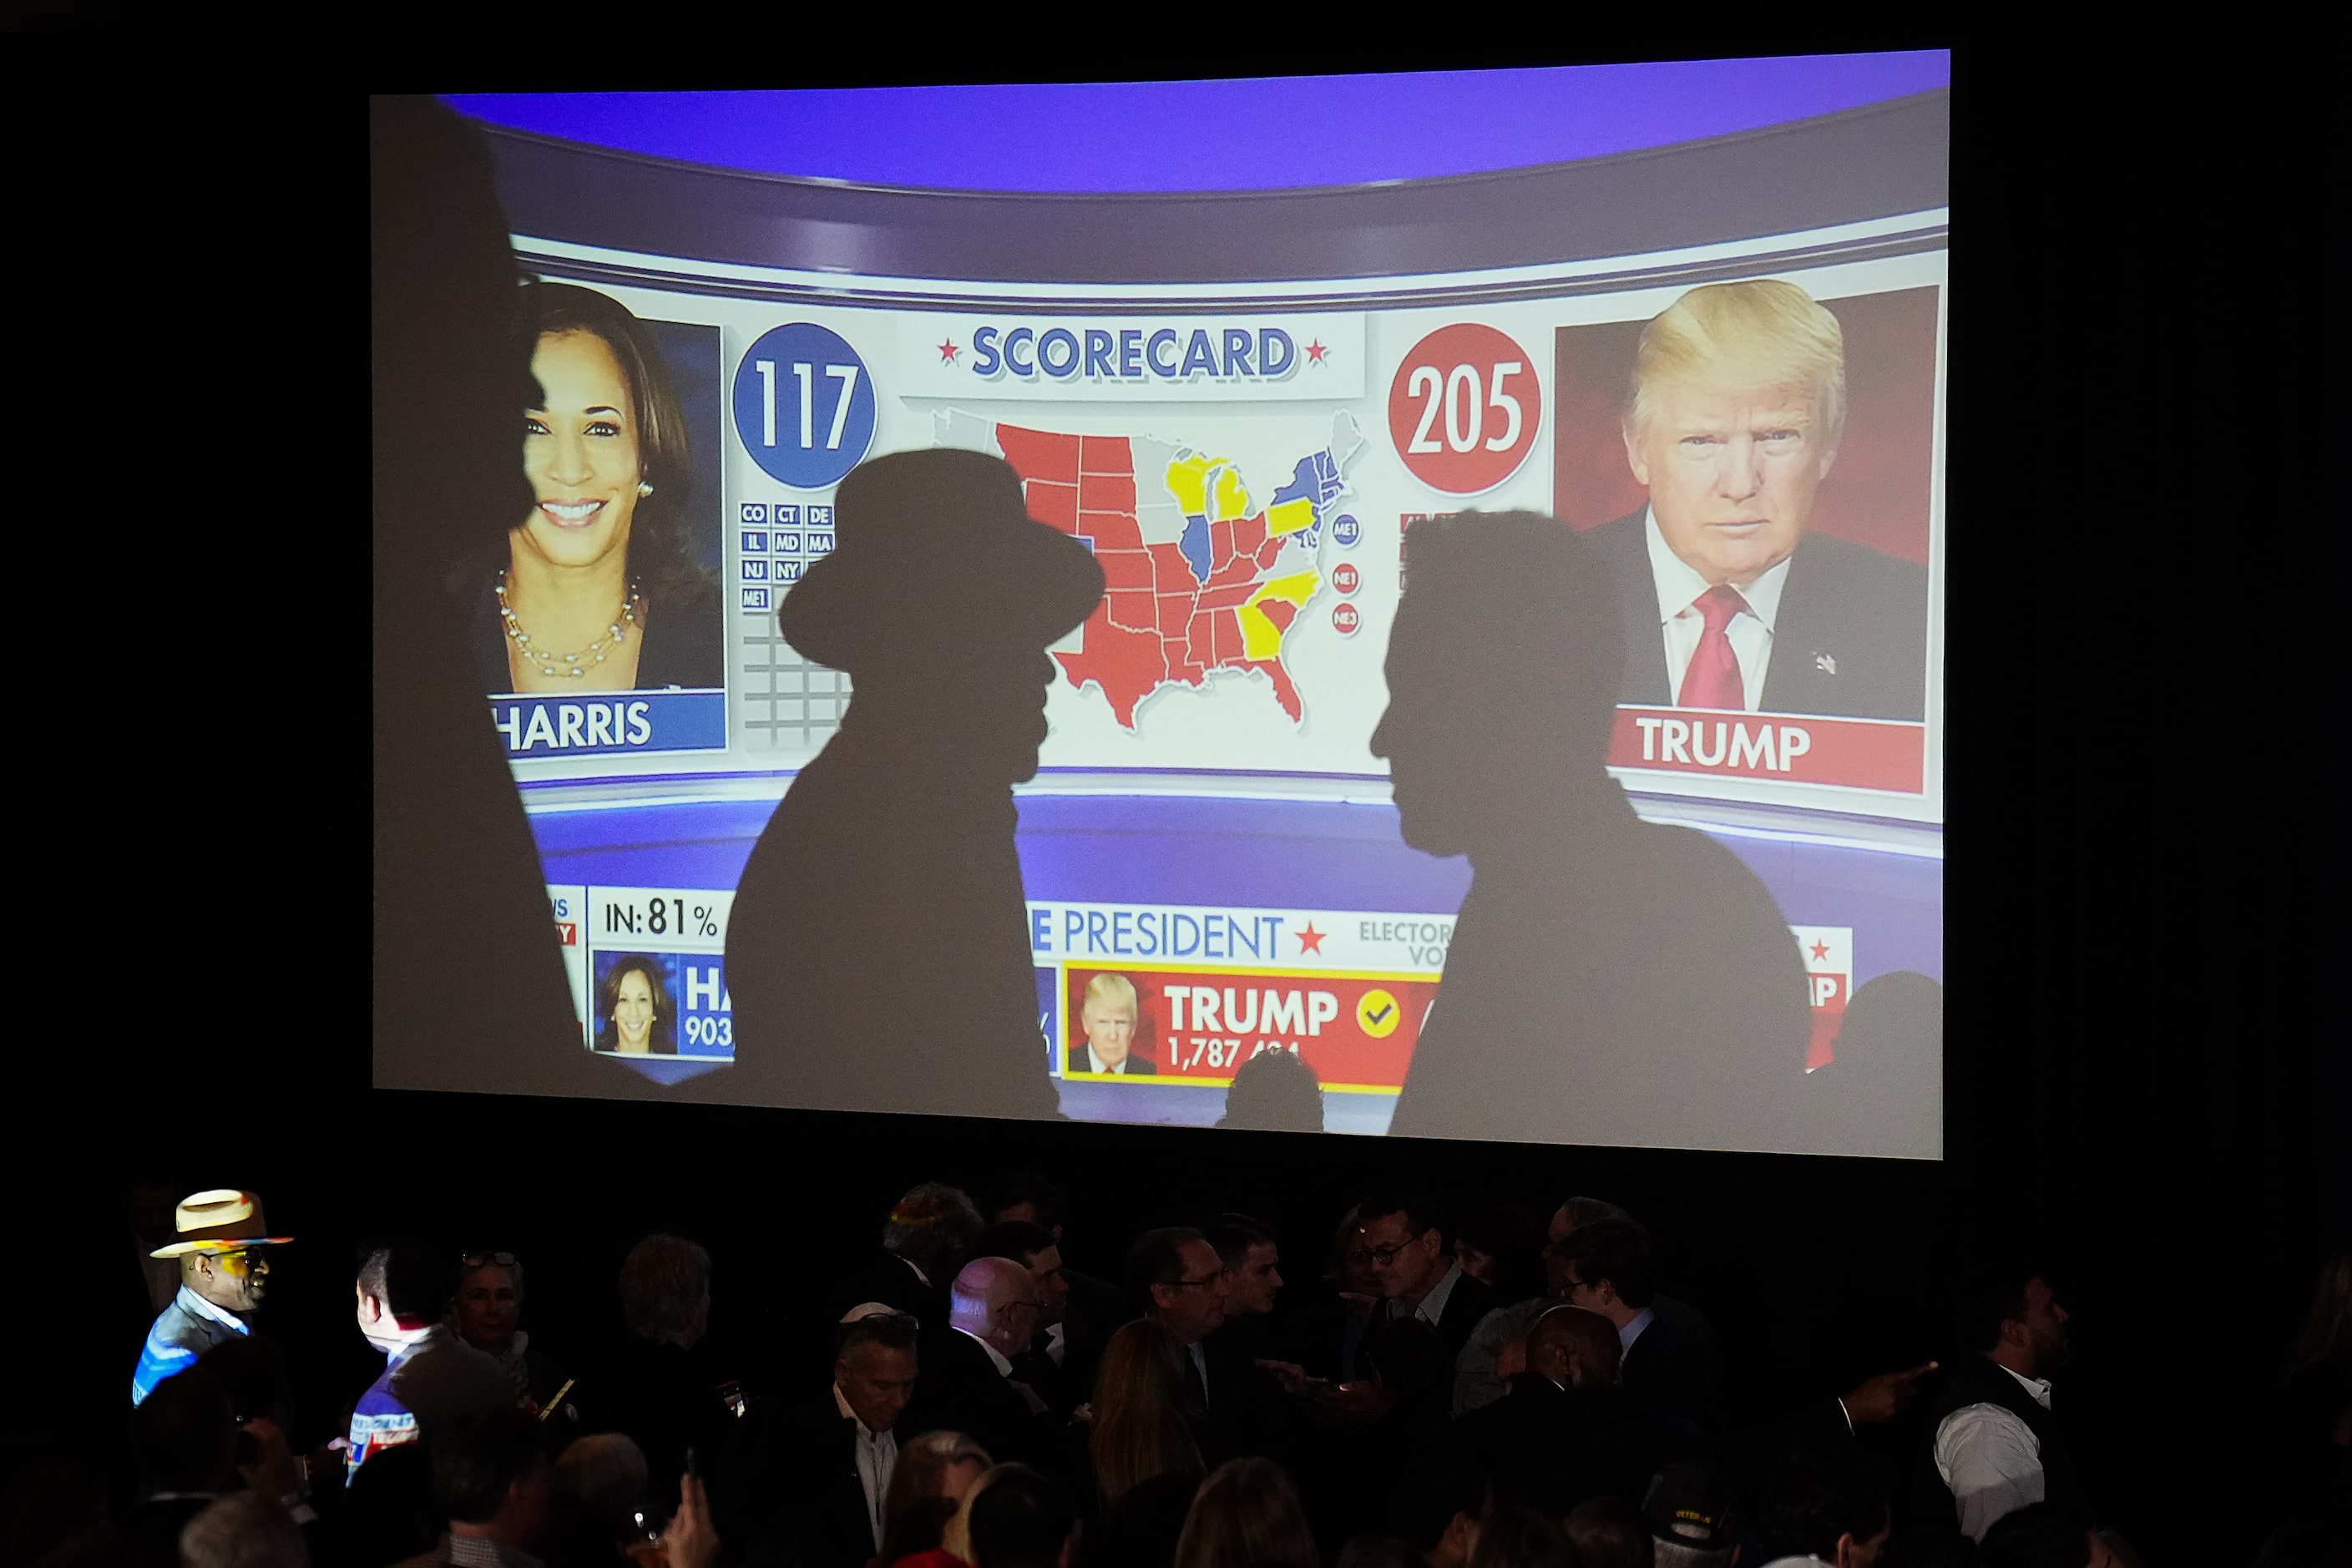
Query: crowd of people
{"points": [[1506, 1389]]}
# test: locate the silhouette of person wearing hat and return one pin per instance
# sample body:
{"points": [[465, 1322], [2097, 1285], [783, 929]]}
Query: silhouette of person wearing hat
{"points": [[1610, 981], [878, 952]]}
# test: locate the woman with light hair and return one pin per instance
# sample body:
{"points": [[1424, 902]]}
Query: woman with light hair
{"points": [[928, 1487], [1109, 1013]]}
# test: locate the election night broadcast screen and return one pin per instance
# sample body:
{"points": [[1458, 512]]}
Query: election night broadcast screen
{"points": [[1243, 402]]}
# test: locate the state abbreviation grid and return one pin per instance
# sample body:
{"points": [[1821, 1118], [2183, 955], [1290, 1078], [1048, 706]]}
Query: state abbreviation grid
{"points": [[784, 703]]}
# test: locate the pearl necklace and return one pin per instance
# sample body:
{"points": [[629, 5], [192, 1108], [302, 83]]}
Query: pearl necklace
{"points": [[569, 665]]}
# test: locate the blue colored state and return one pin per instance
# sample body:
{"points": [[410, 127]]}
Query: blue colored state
{"points": [[1198, 553]]}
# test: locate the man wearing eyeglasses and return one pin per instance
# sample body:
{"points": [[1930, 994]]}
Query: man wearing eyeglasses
{"points": [[1180, 1279], [1400, 1236], [993, 1312]]}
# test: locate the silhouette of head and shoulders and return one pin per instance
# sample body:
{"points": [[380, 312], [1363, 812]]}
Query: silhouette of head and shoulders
{"points": [[1608, 980], [877, 952]]}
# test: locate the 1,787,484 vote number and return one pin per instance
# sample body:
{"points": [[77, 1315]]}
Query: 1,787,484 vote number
{"points": [[1201, 1053], [1463, 408]]}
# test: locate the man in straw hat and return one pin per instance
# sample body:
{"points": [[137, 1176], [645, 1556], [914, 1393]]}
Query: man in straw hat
{"points": [[224, 1271], [878, 952]]}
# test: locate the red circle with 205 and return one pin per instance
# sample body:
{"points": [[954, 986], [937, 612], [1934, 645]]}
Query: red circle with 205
{"points": [[1463, 408]]}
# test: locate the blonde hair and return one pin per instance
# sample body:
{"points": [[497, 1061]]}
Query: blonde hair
{"points": [[914, 1515], [1764, 332], [1108, 985], [956, 1539]]}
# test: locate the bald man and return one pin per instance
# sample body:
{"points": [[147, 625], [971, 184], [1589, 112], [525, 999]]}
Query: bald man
{"points": [[994, 1308], [1566, 1431]]}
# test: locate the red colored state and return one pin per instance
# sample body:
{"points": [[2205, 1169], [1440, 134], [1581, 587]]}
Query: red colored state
{"points": [[1109, 456], [1111, 530], [1284, 692], [1135, 609], [1053, 505], [1183, 663], [1281, 612], [1107, 492], [1127, 568], [1127, 665], [1266, 552]]}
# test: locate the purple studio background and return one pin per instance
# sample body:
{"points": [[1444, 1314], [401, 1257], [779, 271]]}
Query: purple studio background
{"points": [[1266, 133]]}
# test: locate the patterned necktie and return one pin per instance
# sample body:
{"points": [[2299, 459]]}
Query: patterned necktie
{"points": [[1713, 678]]}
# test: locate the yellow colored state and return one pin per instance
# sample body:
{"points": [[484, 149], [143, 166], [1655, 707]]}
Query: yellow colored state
{"points": [[1188, 482], [1290, 516], [1261, 638], [1211, 488], [1233, 497]]}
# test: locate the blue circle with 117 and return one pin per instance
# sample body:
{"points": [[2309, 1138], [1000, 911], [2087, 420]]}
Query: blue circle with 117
{"points": [[803, 406]]}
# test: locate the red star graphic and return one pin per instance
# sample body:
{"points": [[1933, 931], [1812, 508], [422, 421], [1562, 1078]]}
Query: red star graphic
{"points": [[948, 351], [1310, 939], [1315, 351], [1821, 948]]}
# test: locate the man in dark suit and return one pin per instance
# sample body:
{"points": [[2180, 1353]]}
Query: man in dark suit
{"points": [[1728, 600], [1109, 1014], [841, 1448], [1669, 1365], [1096, 1307], [1058, 1361], [1610, 980], [1568, 1430], [1402, 1233], [969, 1384]]}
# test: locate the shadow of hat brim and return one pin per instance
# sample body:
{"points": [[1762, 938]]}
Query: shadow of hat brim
{"points": [[219, 1245], [1018, 587]]}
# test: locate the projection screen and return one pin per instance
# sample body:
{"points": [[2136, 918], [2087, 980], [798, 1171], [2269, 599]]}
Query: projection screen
{"points": [[1243, 402]]}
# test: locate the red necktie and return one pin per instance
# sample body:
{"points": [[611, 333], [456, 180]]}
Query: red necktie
{"points": [[1713, 678]]}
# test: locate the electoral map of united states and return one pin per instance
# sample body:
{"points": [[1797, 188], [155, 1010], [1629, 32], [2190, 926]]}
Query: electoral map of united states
{"points": [[1202, 577]]}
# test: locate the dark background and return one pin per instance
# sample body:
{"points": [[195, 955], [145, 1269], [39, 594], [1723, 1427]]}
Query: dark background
{"points": [[2146, 1060]]}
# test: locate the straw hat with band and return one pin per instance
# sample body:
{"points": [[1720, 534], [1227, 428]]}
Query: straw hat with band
{"points": [[937, 558], [221, 1220]]}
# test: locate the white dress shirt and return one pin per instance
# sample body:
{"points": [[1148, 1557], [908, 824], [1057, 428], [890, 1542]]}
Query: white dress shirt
{"points": [[1632, 1329], [878, 1461], [1991, 1459], [1678, 586], [1095, 1063], [1432, 1307], [1200, 1365], [1057, 1342]]}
